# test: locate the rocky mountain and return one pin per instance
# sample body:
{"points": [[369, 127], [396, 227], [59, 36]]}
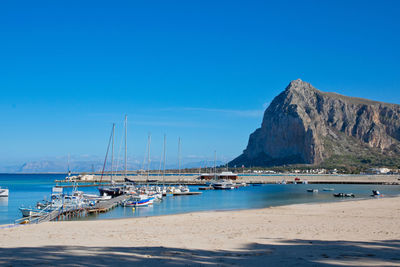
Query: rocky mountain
{"points": [[303, 125]]}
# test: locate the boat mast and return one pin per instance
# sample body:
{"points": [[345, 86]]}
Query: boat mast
{"points": [[69, 172], [215, 168], [179, 157], [165, 139], [112, 152], [126, 143], [148, 156], [105, 158]]}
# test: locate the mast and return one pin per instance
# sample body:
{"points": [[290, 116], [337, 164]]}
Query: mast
{"points": [[215, 167], [69, 171], [126, 143], [179, 157], [165, 139], [148, 156], [112, 152], [105, 158]]}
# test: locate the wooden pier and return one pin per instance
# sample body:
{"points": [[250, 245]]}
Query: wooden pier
{"points": [[104, 206], [73, 211]]}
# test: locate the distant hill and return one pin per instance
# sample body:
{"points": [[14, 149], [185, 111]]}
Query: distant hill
{"points": [[43, 166], [303, 125]]}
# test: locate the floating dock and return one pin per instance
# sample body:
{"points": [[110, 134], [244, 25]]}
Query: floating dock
{"points": [[186, 193], [104, 206], [206, 188], [73, 211]]}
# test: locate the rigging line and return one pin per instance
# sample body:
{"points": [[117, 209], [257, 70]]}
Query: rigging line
{"points": [[159, 169], [144, 160], [119, 158], [164, 152], [148, 156], [105, 160]]}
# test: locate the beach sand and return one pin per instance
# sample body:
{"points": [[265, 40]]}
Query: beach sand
{"points": [[352, 233]]}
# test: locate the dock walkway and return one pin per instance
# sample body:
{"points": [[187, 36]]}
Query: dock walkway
{"points": [[62, 211]]}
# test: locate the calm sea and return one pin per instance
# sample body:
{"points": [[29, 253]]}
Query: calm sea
{"points": [[27, 189]]}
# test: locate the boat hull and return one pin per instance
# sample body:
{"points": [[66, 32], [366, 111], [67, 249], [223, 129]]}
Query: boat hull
{"points": [[139, 203], [3, 192], [30, 212], [113, 192]]}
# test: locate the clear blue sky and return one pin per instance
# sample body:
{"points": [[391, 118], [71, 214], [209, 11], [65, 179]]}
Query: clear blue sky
{"points": [[202, 70]]}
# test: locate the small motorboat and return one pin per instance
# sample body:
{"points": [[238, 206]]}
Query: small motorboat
{"points": [[3, 192], [328, 189], [29, 212], [312, 190], [343, 195], [376, 193], [137, 201], [43, 204], [223, 185]]}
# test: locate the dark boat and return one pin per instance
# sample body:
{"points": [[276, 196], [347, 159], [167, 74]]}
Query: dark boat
{"points": [[113, 191], [129, 181], [312, 190], [376, 193], [343, 195]]}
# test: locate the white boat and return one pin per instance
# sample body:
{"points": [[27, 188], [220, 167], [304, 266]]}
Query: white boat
{"points": [[29, 212], [136, 201], [96, 197], [3, 192], [223, 185], [312, 190], [328, 189]]}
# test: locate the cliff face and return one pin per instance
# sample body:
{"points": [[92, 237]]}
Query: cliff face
{"points": [[303, 125]]}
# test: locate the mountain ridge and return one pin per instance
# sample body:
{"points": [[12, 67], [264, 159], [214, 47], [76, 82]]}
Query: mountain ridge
{"points": [[304, 125]]}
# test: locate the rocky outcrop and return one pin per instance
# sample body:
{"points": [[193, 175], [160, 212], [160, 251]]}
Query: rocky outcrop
{"points": [[303, 125]]}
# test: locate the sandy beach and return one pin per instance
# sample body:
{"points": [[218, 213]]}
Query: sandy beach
{"points": [[351, 233]]}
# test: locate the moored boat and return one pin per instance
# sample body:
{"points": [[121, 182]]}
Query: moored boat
{"points": [[136, 202], [343, 195], [4, 192], [113, 191], [376, 193], [30, 212], [312, 190], [223, 185]]}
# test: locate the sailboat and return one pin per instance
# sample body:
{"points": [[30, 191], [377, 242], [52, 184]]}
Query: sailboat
{"points": [[180, 188], [126, 179], [113, 190]]}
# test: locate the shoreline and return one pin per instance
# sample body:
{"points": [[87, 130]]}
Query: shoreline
{"points": [[5, 226], [356, 232]]}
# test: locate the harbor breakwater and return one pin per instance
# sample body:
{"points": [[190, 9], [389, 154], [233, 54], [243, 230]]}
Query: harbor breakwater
{"points": [[193, 179]]}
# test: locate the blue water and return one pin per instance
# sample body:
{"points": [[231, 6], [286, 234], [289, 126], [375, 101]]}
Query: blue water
{"points": [[27, 189]]}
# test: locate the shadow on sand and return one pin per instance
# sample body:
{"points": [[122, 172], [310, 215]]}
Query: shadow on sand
{"points": [[285, 253]]}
